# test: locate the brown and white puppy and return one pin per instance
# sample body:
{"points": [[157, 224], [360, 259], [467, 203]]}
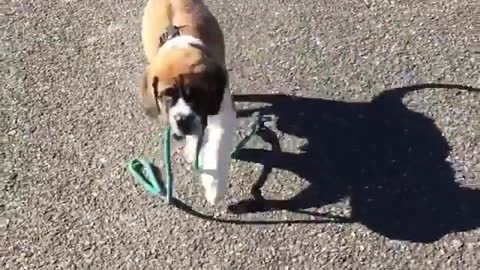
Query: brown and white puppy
{"points": [[185, 83]]}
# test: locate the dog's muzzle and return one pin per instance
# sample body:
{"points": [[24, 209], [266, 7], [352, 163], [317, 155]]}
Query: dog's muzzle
{"points": [[186, 123]]}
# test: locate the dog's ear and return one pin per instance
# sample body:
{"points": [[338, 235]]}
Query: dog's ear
{"points": [[217, 79], [148, 96]]}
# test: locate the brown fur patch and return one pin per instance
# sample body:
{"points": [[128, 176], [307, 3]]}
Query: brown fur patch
{"points": [[205, 75], [200, 73]]}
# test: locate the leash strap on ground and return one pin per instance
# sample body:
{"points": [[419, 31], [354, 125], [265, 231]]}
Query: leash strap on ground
{"points": [[149, 181], [152, 181], [144, 173]]}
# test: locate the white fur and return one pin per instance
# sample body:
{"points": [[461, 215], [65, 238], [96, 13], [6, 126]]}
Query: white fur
{"points": [[214, 156], [182, 41], [190, 150], [180, 109], [215, 153]]}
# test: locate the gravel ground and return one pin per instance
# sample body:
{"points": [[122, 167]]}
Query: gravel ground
{"points": [[398, 172]]}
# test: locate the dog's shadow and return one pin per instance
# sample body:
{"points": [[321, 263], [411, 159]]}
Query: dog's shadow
{"points": [[388, 160]]}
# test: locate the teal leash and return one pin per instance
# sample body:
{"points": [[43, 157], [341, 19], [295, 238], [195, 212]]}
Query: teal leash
{"points": [[168, 164], [152, 181]]}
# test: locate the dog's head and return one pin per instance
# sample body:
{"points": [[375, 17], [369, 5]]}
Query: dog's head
{"points": [[183, 86]]}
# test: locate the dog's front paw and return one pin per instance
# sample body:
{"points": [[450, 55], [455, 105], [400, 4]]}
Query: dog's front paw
{"points": [[190, 149], [189, 153], [215, 189]]}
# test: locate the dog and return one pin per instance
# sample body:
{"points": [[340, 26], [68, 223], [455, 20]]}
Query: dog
{"points": [[184, 84]]}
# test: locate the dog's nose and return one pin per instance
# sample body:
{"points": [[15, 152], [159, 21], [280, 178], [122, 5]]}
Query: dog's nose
{"points": [[185, 123]]}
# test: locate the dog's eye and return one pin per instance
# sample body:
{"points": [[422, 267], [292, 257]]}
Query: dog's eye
{"points": [[186, 92], [169, 92], [167, 96], [167, 100]]}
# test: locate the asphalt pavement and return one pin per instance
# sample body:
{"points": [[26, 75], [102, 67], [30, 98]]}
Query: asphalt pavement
{"points": [[376, 108]]}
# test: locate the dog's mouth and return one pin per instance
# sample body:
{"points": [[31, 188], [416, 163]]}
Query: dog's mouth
{"points": [[178, 137]]}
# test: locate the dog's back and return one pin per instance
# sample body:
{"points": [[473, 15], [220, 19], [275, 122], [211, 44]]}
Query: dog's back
{"points": [[159, 14]]}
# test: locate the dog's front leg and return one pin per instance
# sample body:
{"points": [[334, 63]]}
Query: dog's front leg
{"points": [[190, 149], [215, 156]]}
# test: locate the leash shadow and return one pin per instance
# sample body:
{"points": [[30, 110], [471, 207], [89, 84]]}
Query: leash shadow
{"points": [[319, 218], [387, 160]]}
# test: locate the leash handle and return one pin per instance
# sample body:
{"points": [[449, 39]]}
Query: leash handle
{"points": [[143, 172], [149, 181]]}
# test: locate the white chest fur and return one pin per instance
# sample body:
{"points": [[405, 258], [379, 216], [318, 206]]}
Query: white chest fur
{"points": [[182, 41]]}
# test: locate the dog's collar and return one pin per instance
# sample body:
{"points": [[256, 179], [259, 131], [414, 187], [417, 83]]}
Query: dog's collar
{"points": [[171, 31]]}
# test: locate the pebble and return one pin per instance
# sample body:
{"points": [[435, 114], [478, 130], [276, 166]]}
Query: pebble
{"points": [[4, 222], [457, 243], [13, 176]]}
